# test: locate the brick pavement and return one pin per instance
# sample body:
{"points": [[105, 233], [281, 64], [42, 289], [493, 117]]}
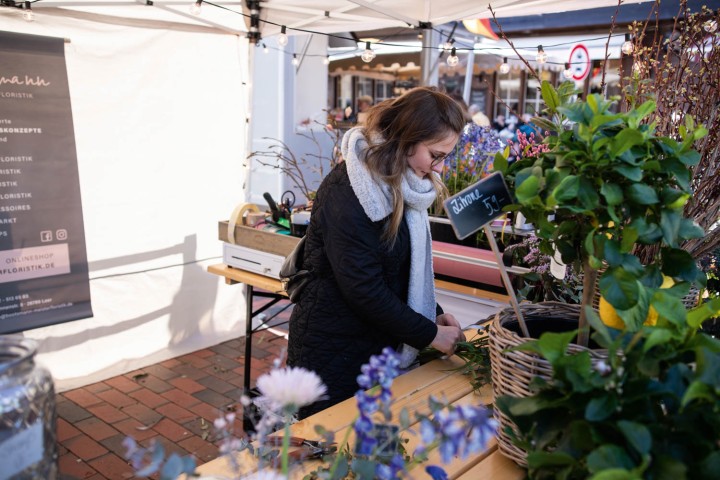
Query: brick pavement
{"points": [[173, 402]]}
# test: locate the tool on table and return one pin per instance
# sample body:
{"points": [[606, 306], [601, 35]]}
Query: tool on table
{"points": [[309, 448], [278, 216]]}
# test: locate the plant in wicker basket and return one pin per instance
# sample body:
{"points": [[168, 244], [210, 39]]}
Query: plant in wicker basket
{"points": [[606, 183]]}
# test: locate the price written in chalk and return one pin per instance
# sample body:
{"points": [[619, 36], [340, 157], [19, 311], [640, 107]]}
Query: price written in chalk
{"points": [[477, 205]]}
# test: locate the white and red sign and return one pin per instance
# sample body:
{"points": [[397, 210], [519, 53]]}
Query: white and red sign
{"points": [[579, 62]]}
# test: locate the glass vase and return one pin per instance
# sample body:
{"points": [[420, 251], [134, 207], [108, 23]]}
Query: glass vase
{"points": [[28, 448]]}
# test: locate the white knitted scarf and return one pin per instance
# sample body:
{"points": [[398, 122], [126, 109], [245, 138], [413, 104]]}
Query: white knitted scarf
{"points": [[376, 199]]}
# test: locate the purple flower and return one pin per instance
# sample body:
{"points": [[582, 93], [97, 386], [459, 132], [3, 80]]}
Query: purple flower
{"points": [[436, 472], [459, 430]]}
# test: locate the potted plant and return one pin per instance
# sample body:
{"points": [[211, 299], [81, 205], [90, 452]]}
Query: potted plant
{"points": [[606, 183]]}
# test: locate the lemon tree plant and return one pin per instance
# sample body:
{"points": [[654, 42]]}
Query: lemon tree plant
{"points": [[606, 184]]}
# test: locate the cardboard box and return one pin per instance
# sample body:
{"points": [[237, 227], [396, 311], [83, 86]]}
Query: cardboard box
{"points": [[263, 241]]}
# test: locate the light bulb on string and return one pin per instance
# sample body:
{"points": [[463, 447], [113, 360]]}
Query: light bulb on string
{"points": [[710, 26], [368, 55], [541, 56], [295, 60], [265, 48], [453, 59], [282, 39], [326, 60], [567, 73], [28, 14], [447, 46], [505, 67], [627, 46], [196, 8]]}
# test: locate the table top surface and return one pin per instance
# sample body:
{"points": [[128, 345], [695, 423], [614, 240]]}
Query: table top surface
{"points": [[439, 378]]}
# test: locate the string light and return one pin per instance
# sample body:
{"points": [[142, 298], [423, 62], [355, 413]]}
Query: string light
{"points": [[28, 14], [282, 39], [265, 48], [295, 60], [326, 60], [447, 46], [627, 46], [368, 55], [196, 8], [453, 59], [710, 26], [567, 73], [505, 67], [541, 56]]}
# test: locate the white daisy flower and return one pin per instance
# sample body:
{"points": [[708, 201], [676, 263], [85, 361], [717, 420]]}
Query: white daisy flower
{"points": [[291, 387]]}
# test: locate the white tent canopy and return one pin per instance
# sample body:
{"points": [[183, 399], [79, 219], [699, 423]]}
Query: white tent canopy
{"points": [[323, 16]]}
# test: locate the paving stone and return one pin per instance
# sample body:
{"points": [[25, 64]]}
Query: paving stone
{"points": [[190, 371], [112, 466], [134, 429], [73, 467], [161, 372], [96, 428], [215, 384], [72, 412], [208, 412], [224, 362], [202, 450], [97, 387], [171, 430], [195, 360], [148, 397], [115, 444], [65, 430], [85, 447], [107, 413], [186, 385], [213, 398], [123, 384], [180, 398], [171, 362], [142, 414], [176, 413], [153, 383], [82, 397], [116, 398]]}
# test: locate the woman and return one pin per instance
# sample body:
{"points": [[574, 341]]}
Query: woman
{"points": [[369, 247]]}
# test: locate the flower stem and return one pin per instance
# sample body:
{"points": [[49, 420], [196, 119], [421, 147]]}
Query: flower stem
{"points": [[286, 449], [336, 462]]}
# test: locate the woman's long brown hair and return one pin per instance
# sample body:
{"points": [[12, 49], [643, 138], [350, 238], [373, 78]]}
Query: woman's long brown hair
{"points": [[395, 127]]}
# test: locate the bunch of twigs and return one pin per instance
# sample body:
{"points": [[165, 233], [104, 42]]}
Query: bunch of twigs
{"points": [[681, 72]]}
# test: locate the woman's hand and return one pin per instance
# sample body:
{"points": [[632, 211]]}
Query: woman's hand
{"points": [[448, 334]]}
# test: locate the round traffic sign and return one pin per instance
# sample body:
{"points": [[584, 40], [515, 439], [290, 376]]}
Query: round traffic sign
{"points": [[579, 62]]}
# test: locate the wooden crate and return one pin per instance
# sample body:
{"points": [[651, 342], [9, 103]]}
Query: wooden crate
{"points": [[258, 239]]}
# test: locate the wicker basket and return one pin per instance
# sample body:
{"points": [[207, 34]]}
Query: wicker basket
{"points": [[512, 371]]}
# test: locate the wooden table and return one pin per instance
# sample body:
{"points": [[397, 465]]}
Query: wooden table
{"points": [[410, 391]]}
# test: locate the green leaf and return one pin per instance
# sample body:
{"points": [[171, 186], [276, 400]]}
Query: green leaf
{"points": [[670, 226], [631, 173], [612, 193], [619, 288], [702, 312], [689, 229], [678, 263], [698, 391], [568, 188], [630, 236], [528, 189], [615, 474], [669, 307], [500, 163], [587, 195], [404, 419], [642, 194], [544, 124], [553, 345], [546, 459], [600, 407], [600, 328], [364, 469], [625, 140], [658, 336], [549, 95], [608, 456], [637, 435]]}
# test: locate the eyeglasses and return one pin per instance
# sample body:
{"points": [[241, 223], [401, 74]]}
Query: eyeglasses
{"points": [[440, 158]]}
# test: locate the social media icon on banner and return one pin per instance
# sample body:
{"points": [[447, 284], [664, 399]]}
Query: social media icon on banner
{"points": [[46, 236], [61, 234]]}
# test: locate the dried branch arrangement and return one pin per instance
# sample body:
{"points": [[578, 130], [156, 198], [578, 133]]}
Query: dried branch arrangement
{"points": [[281, 157], [681, 72]]}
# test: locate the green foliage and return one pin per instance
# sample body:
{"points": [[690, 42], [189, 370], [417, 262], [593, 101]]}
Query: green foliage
{"points": [[606, 184], [652, 410]]}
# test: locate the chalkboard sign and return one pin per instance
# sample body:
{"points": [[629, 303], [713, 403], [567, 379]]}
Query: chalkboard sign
{"points": [[477, 205]]}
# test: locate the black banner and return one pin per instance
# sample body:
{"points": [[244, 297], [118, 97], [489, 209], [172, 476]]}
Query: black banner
{"points": [[43, 261]]}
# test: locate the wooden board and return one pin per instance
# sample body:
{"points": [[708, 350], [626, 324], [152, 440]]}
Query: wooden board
{"points": [[258, 239]]}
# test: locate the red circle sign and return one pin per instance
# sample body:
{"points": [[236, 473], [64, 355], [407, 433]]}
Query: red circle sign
{"points": [[579, 62]]}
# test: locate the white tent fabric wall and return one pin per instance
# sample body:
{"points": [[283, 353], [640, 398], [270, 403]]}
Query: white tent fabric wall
{"points": [[159, 119]]}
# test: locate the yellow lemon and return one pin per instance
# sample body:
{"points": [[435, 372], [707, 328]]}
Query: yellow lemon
{"points": [[609, 315]]}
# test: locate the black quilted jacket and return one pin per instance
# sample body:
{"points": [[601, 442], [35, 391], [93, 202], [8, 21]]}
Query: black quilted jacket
{"points": [[356, 303]]}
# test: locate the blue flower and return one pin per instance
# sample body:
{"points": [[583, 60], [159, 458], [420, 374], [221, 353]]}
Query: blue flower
{"points": [[436, 472]]}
